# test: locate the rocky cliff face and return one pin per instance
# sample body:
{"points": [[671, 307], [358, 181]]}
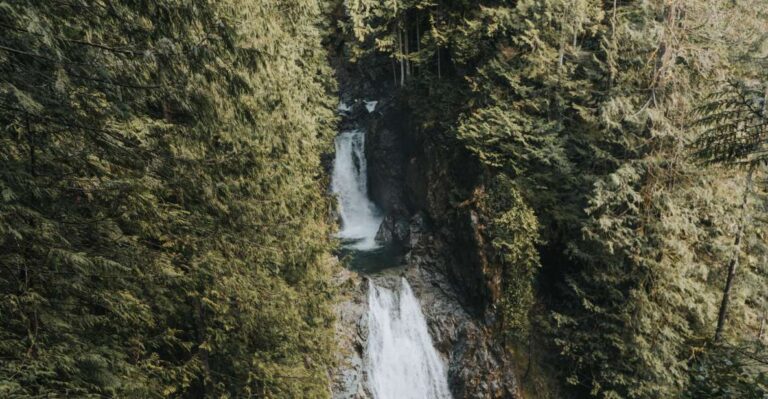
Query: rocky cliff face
{"points": [[348, 377], [479, 367], [411, 174]]}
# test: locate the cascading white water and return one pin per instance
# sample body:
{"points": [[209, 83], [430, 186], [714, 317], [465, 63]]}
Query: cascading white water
{"points": [[401, 362], [360, 219]]}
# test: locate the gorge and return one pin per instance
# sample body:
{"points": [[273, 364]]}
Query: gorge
{"points": [[400, 360], [399, 341], [384, 199]]}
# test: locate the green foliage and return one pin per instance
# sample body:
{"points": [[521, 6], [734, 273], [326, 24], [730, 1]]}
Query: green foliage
{"points": [[729, 372], [153, 159], [735, 124], [163, 225], [587, 108], [513, 231]]}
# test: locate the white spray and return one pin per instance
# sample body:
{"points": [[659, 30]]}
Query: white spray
{"points": [[360, 219], [401, 362]]}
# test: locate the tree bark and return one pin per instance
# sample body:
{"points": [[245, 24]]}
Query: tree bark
{"points": [[437, 45], [734, 262], [394, 72], [418, 45], [407, 49], [402, 61]]}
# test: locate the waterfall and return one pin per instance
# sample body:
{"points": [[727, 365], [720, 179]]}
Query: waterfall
{"points": [[360, 219], [401, 362]]}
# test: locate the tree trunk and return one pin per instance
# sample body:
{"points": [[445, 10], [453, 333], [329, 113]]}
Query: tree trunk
{"points": [[407, 50], [734, 262], [418, 45], [437, 45], [394, 72], [402, 61]]}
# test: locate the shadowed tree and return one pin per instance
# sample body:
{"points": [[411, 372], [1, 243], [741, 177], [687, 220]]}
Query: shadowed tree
{"points": [[736, 135]]}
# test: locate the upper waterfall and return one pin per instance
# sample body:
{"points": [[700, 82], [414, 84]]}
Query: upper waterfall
{"points": [[360, 219], [401, 361]]}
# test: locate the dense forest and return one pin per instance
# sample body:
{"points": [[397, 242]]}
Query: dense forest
{"points": [[624, 149], [153, 154], [165, 223]]}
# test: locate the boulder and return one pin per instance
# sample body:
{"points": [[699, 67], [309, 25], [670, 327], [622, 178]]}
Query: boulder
{"points": [[393, 230]]}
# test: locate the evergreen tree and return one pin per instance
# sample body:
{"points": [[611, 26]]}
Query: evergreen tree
{"points": [[737, 134], [163, 225], [587, 107]]}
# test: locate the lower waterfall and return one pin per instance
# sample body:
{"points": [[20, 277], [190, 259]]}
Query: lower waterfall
{"points": [[401, 362]]}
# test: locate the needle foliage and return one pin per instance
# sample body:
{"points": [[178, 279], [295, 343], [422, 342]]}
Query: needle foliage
{"points": [[597, 115], [162, 219]]}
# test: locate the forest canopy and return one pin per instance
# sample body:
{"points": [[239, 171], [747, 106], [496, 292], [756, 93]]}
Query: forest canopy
{"points": [[636, 131], [152, 155]]}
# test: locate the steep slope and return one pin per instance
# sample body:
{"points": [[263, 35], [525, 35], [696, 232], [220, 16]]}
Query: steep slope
{"points": [[557, 133], [163, 226]]}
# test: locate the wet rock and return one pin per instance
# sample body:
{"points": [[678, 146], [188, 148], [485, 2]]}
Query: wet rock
{"points": [[478, 365], [418, 230], [387, 149], [347, 378], [393, 230], [386, 233], [416, 183]]}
